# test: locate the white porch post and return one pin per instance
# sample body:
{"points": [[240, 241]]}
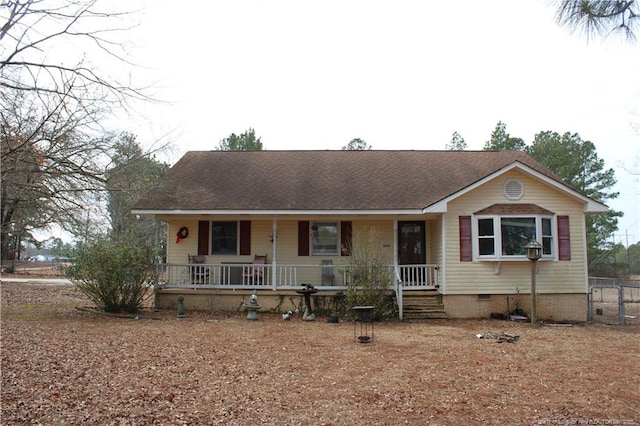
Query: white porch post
{"points": [[398, 285], [442, 275], [395, 244], [274, 253]]}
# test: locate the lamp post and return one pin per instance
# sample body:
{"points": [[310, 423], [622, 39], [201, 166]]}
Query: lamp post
{"points": [[534, 250]]}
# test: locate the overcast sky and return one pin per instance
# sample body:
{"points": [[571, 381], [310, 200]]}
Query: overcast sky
{"points": [[398, 74]]}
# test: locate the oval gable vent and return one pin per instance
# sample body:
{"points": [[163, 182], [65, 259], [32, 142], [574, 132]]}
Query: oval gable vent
{"points": [[513, 189]]}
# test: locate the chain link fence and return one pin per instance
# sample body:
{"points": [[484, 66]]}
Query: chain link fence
{"points": [[614, 301]]}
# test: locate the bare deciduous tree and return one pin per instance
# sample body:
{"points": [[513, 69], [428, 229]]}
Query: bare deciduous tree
{"points": [[53, 101], [51, 167], [48, 47]]}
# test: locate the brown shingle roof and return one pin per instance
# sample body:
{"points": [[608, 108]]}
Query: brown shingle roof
{"points": [[324, 180]]}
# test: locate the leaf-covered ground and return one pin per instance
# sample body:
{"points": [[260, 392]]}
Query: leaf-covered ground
{"points": [[65, 366]]}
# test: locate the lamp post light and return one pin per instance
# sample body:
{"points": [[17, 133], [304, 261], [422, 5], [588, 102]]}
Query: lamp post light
{"points": [[534, 251]]}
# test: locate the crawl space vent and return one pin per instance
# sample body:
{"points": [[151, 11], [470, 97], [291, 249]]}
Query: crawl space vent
{"points": [[513, 189]]}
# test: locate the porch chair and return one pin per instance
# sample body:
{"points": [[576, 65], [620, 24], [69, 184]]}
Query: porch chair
{"points": [[261, 256], [328, 274], [200, 273], [254, 274]]}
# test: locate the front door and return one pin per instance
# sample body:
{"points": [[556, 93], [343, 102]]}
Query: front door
{"points": [[411, 243], [411, 251]]}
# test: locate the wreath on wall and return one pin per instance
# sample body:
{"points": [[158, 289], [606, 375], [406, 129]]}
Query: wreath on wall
{"points": [[182, 234]]}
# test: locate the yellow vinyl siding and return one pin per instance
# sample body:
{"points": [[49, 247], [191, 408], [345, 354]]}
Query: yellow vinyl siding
{"points": [[261, 231], [382, 230], [488, 277], [287, 242], [179, 252], [434, 241]]}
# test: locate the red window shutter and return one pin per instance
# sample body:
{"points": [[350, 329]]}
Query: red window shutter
{"points": [[345, 238], [564, 242], [303, 238], [203, 237], [245, 237], [466, 248]]}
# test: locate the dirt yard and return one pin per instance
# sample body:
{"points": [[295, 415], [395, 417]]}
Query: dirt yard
{"points": [[61, 365]]}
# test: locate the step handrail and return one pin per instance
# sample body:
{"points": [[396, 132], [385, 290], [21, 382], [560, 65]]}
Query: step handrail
{"points": [[398, 289]]}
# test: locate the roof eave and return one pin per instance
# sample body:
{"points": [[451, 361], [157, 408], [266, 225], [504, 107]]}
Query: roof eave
{"points": [[181, 212]]}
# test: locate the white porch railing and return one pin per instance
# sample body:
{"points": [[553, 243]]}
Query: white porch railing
{"points": [[419, 277], [236, 275]]}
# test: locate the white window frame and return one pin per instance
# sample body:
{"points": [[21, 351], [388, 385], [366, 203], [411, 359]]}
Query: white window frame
{"points": [[497, 229]]}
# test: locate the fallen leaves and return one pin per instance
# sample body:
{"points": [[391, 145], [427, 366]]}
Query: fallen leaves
{"points": [[64, 366]]}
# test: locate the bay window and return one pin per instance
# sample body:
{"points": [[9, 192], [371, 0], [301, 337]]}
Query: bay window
{"points": [[504, 237]]}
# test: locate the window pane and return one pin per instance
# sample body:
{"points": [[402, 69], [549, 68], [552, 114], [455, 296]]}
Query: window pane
{"points": [[516, 233], [547, 236], [224, 237], [485, 227], [486, 237], [486, 247], [546, 245], [324, 238]]}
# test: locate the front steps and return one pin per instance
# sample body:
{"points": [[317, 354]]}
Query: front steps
{"points": [[422, 305]]}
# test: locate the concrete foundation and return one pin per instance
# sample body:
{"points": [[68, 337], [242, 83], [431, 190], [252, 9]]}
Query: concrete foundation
{"points": [[234, 300], [550, 307]]}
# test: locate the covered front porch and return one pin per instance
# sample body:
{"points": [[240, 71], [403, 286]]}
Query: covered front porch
{"points": [[279, 255], [276, 253], [226, 285]]}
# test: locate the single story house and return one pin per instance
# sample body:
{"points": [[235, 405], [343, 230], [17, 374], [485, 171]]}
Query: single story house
{"points": [[449, 223]]}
